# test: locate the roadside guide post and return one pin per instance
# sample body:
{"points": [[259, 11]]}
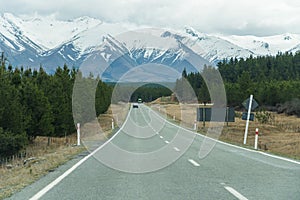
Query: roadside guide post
{"points": [[112, 124], [256, 138], [195, 125], [78, 134]]}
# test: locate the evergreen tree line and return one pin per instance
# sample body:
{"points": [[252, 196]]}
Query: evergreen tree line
{"points": [[192, 87], [146, 91], [34, 103], [273, 80], [150, 92]]}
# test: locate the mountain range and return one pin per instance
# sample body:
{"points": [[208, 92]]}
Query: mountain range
{"points": [[34, 41]]}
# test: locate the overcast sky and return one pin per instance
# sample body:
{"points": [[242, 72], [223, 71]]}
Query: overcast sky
{"points": [[240, 17]]}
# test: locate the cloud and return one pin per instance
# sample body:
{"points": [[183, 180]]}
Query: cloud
{"points": [[259, 17]]}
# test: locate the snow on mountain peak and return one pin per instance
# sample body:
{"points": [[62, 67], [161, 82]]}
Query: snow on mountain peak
{"points": [[267, 45], [37, 28], [192, 32], [37, 38]]}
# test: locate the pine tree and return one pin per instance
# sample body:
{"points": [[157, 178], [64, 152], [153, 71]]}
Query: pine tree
{"points": [[38, 111]]}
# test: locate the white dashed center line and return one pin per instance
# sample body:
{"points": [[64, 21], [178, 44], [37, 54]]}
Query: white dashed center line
{"points": [[194, 162], [161, 137], [167, 142], [235, 193], [176, 149]]}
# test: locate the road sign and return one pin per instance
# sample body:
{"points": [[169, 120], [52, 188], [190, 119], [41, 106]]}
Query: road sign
{"points": [[230, 115], [244, 116], [203, 114], [253, 106], [218, 114]]}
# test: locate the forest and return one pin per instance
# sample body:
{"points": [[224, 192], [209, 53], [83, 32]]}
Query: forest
{"points": [[273, 80], [146, 91], [34, 103]]}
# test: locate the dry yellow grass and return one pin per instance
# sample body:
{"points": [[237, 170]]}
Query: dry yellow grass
{"points": [[282, 136], [61, 150], [45, 158]]}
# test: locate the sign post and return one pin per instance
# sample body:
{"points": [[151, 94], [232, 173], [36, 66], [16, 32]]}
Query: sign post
{"points": [[248, 118], [78, 134], [204, 114]]}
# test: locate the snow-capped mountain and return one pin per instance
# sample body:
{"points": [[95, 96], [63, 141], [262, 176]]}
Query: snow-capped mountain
{"points": [[47, 41], [270, 45]]}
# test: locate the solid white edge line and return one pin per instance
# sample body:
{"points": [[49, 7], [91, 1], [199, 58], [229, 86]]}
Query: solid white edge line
{"points": [[221, 142], [194, 162], [69, 171], [235, 193]]}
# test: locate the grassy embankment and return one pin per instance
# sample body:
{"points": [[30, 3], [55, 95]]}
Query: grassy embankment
{"points": [[42, 159], [280, 136]]}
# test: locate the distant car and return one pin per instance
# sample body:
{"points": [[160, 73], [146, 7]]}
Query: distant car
{"points": [[135, 105]]}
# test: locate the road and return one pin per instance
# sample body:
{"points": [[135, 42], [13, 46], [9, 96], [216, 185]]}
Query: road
{"points": [[150, 158]]}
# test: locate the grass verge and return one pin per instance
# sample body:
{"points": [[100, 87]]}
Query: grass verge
{"points": [[281, 136], [42, 159]]}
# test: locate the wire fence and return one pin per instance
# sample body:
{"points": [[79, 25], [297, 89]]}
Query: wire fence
{"points": [[37, 149]]}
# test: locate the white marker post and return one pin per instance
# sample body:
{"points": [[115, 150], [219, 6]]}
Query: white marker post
{"points": [[248, 118], [174, 117], [78, 134], [195, 125], [112, 124], [256, 138]]}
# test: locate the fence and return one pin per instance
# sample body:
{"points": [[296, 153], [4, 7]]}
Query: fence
{"points": [[36, 149]]}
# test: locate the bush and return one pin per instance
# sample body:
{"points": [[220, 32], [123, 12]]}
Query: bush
{"points": [[264, 117], [290, 107], [10, 143]]}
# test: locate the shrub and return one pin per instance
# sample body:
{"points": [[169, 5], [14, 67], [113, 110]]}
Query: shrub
{"points": [[290, 107], [10, 143], [264, 117]]}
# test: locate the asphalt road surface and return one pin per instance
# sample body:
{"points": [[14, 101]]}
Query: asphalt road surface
{"points": [[150, 158]]}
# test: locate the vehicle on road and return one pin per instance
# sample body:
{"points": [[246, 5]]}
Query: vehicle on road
{"points": [[140, 100]]}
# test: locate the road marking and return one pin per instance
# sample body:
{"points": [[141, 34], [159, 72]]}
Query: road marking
{"points": [[161, 137], [69, 171], [176, 149], [167, 142], [231, 145], [235, 193], [194, 162]]}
